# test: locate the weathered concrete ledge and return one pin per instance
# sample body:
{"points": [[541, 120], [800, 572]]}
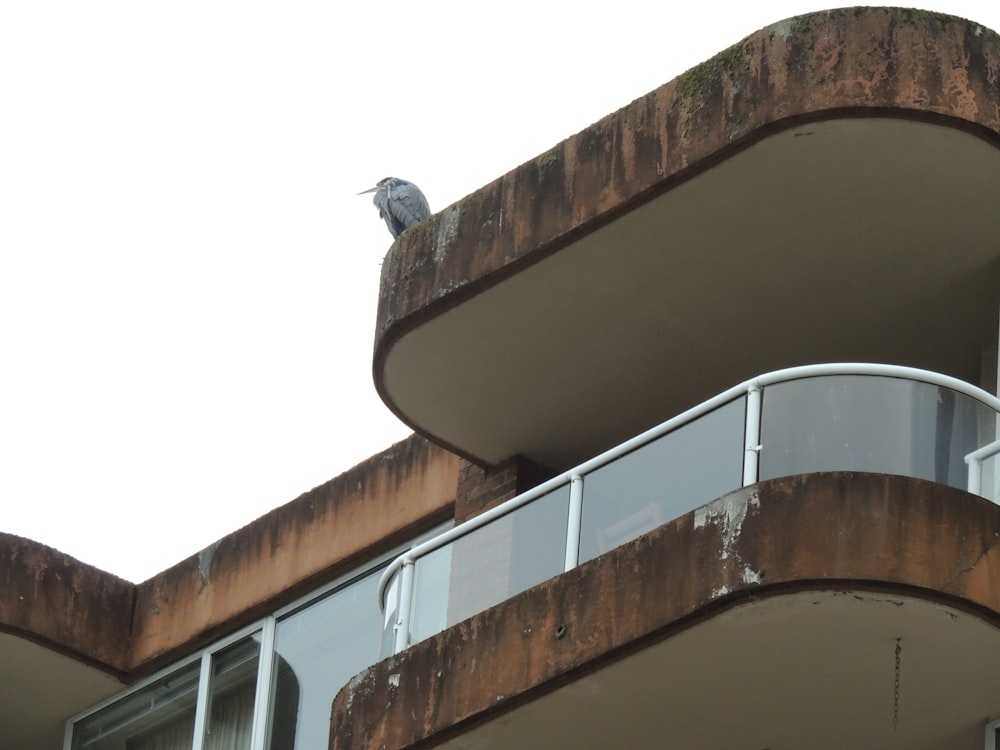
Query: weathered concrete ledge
{"points": [[59, 602], [370, 508], [854, 62], [130, 630], [813, 532]]}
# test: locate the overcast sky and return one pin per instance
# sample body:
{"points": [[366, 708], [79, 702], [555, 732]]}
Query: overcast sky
{"points": [[188, 280]]}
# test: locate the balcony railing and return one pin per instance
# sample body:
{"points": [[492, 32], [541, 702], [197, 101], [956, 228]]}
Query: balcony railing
{"points": [[837, 417]]}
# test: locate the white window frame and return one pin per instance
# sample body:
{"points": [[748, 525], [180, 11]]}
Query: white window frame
{"points": [[267, 627], [204, 656]]}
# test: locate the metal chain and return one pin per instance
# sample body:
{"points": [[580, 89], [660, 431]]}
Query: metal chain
{"points": [[895, 690]]}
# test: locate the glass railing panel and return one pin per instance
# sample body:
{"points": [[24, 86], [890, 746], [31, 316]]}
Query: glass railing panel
{"points": [[870, 423], [433, 583], [490, 564], [663, 479], [431, 591]]}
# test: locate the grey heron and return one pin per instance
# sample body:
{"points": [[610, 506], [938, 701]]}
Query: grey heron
{"points": [[400, 204]]}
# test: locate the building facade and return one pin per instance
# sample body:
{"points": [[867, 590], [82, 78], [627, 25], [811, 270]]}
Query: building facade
{"points": [[707, 431]]}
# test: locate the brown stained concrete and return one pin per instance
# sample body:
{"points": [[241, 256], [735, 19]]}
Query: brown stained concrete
{"points": [[854, 62], [63, 604], [367, 510], [130, 630], [808, 532]]}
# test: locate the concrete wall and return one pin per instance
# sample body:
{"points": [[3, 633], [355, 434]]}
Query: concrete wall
{"points": [[131, 630]]}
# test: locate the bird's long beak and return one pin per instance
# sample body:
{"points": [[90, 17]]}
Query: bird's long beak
{"points": [[369, 190]]}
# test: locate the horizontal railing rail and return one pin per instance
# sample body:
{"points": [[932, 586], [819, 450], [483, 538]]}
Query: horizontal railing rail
{"points": [[750, 390]]}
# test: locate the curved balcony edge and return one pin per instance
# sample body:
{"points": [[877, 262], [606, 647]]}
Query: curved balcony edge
{"points": [[456, 327], [819, 535]]}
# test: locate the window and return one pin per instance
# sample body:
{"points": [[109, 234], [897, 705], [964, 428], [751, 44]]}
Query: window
{"points": [[233, 690], [160, 716], [304, 654], [317, 650]]}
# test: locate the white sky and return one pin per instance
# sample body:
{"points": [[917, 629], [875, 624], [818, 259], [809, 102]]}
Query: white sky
{"points": [[188, 281]]}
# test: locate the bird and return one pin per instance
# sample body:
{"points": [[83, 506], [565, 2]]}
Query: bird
{"points": [[400, 204]]}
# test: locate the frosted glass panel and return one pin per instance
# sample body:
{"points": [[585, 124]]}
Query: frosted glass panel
{"points": [[877, 424], [663, 479]]}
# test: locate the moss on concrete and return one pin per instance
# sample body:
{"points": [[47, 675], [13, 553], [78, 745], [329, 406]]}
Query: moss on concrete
{"points": [[702, 78], [547, 159]]}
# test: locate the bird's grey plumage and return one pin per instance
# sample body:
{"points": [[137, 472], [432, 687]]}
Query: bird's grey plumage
{"points": [[400, 204]]}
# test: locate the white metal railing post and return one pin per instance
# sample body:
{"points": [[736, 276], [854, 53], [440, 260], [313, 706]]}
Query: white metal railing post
{"points": [[751, 445], [974, 483], [401, 640], [974, 480], [573, 524]]}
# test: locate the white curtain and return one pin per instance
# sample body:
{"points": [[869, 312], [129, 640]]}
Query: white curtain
{"points": [[173, 736], [232, 720]]}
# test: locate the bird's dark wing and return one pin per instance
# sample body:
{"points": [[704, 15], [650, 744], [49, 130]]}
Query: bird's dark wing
{"points": [[396, 227], [405, 205]]}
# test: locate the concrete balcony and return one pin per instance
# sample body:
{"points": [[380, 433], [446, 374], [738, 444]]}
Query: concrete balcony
{"points": [[824, 190], [869, 621]]}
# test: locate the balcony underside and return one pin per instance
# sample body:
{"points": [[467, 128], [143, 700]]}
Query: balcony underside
{"points": [[41, 689], [766, 619], [63, 630], [869, 240], [676, 249]]}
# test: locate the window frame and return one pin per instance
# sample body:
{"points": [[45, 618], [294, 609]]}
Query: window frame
{"points": [[267, 627]]}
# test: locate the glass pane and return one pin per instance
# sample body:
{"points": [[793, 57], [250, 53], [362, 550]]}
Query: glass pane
{"points": [[158, 717], [234, 683], [317, 650], [430, 594], [868, 423], [663, 479], [491, 564]]}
